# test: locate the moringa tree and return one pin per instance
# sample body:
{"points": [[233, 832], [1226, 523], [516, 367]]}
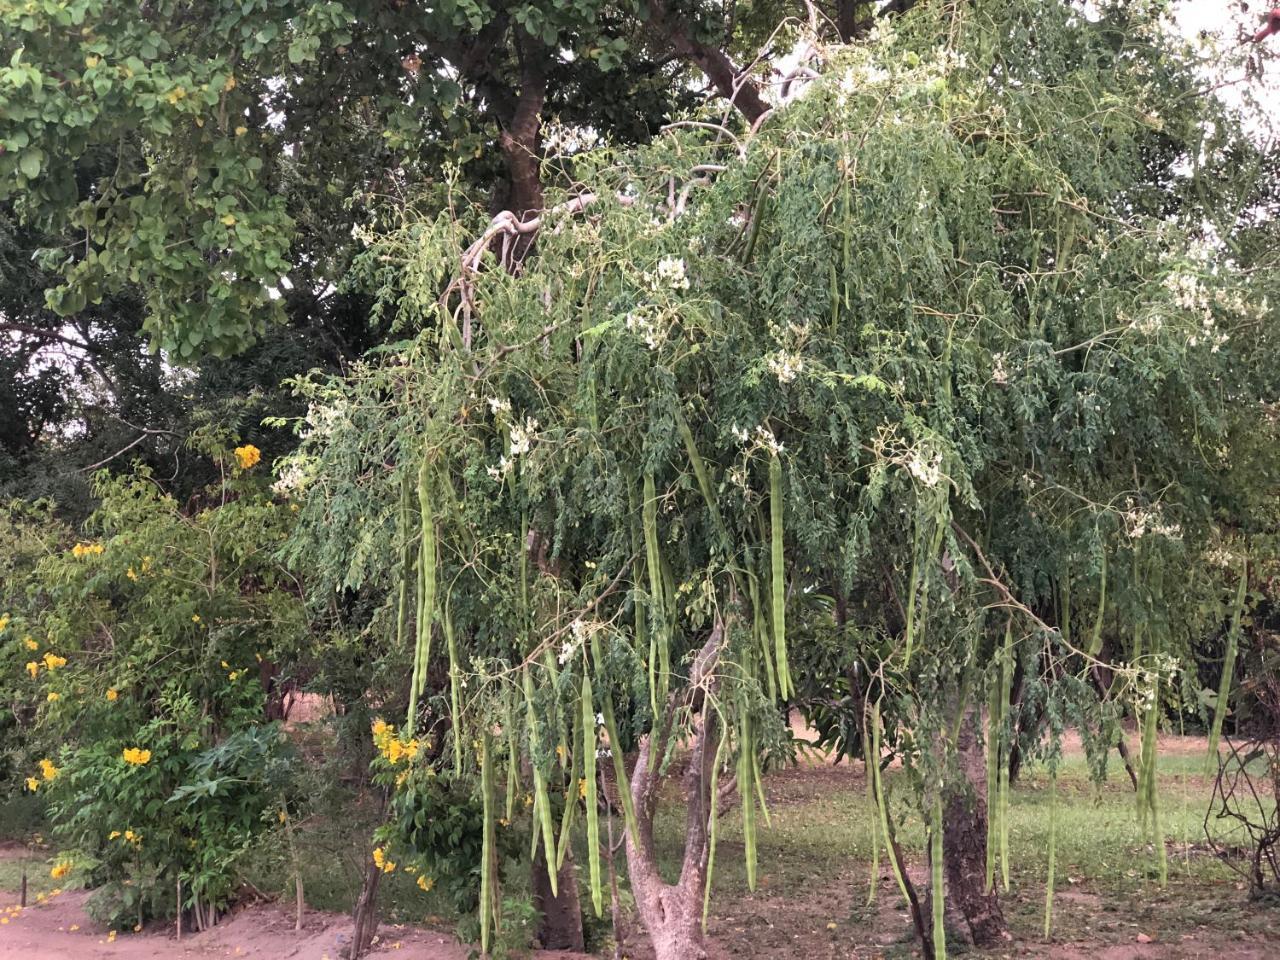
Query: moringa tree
{"points": [[958, 339]]}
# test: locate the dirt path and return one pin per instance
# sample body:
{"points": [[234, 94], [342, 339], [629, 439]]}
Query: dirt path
{"points": [[58, 929]]}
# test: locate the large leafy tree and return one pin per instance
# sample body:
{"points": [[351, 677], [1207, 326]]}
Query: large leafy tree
{"points": [[236, 135]]}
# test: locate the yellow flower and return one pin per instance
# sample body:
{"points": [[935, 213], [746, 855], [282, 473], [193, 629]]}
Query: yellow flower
{"points": [[133, 837], [53, 696], [131, 574], [195, 618], [146, 564], [136, 756], [582, 787], [30, 644], [4, 622], [241, 131], [60, 870], [111, 936], [380, 728], [52, 661], [283, 816], [380, 860], [113, 694], [47, 769], [86, 550], [247, 456], [113, 834], [176, 94], [33, 668], [234, 675], [426, 883], [33, 784]]}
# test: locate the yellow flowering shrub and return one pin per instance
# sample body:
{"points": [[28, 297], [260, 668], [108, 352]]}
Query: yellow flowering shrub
{"points": [[136, 756]]}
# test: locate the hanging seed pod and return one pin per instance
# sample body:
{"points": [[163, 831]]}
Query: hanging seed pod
{"points": [[593, 805], [1228, 670], [455, 698], [1095, 639], [659, 640], [713, 818], [541, 799], [746, 745], [935, 856], [779, 600], [426, 596], [873, 770], [993, 777], [1005, 735], [1053, 847], [488, 856]]}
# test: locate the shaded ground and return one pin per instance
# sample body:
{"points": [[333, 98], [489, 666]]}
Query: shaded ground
{"points": [[811, 901]]}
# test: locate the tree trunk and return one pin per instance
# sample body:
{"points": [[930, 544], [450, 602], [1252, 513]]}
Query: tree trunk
{"points": [[560, 926], [739, 90], [964, 842], [365, 914], [672, 913]]}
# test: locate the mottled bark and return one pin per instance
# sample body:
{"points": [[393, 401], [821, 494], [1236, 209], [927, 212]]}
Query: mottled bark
{"points": [[964, 841], [672, 913]]}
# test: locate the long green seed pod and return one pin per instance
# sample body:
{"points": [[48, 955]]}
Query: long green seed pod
{"points": [[993, 778], [779, 600], [873, 883], [426, 596], [873, 771], [659, 651], [593, 804], [571, 792], [746, 745], [759, 782], [541, 799], [455, 697], [700, 472], [488, 858], [513, 756], [939, 905], [1095, 640], [1053, 848], [761, 634], [1006, 734], [1228, 670], [406, 562], [713, 818], [913, 587]]}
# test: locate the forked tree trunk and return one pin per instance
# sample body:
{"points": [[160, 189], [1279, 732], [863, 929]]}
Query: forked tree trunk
{"points": [[964, 842], [560, 926], [672, 913]]}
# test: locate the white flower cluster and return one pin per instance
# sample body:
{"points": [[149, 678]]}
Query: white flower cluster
{"points": [[521, 437], [1140, 521], [670, 275], [926, 466], [292, 478], [580, 631], [1149, 325], [760, 438], [786, 366], [1209, 335], [999, 367], [321, 420], [647, 328]]}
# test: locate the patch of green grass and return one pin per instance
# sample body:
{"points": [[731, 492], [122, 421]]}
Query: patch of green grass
{"points": [[39, 883]]}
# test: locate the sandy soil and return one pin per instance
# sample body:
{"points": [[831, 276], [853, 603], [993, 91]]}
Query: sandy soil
{"points": [[58, 929]]}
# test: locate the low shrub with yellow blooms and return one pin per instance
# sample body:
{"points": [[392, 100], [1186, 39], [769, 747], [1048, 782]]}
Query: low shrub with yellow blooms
{"points": [[81, 550], [47, 770], [60, 870], [33, 668], [392, 748], [52, 661]]}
